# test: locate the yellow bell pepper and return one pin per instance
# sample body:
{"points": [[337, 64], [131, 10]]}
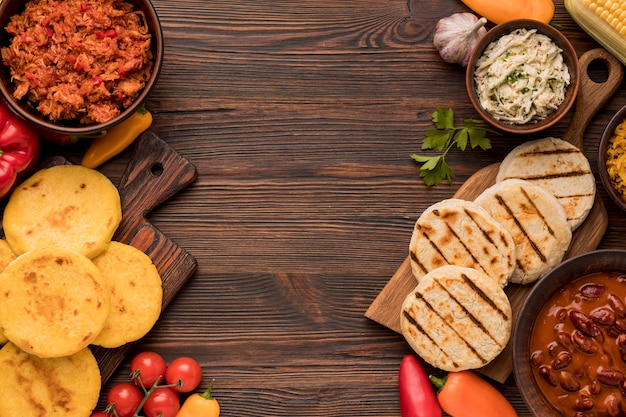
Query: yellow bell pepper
{"points": [[500, 11], [116, 139]]}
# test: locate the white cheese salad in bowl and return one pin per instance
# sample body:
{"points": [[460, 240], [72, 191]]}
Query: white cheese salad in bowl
{"points": [[523, 76]]}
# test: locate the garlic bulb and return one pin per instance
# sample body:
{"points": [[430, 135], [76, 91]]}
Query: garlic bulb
{"points": [[456, 36]]}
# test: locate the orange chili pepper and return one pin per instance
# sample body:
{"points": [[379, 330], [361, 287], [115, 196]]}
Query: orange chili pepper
{"points": [[465, 394], [500, 11], [116, 139], [200, 405]]}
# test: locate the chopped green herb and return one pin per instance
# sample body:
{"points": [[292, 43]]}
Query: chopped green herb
{"points": [[442, 138], [515, 75]]}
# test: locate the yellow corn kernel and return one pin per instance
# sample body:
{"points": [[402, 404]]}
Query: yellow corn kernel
{"points": [[613, 12], [613, 21]]}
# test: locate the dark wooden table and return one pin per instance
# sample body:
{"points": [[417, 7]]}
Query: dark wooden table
{"points": [[300, 117]]}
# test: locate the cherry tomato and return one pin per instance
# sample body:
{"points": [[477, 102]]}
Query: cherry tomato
{"points": [[184, 369], [150, 366], [99, 414], [126, 397], [162, 402]]}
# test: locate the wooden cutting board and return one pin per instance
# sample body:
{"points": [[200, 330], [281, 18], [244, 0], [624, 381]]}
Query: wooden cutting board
{"points": [[155, 173], [591, 97]]}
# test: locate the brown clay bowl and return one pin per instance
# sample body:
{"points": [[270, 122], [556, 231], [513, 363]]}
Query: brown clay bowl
{"points": [[57, 131], [612, 260], [569, 56], [616, 120]]}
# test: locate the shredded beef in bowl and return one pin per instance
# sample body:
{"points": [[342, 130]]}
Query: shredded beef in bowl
{"points": [[84, 60]]}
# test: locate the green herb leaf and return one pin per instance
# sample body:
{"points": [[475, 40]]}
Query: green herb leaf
{"points": [[446, 135], [460, 137], [435, 171], [478, 139], [443, 118], [436, 139]]}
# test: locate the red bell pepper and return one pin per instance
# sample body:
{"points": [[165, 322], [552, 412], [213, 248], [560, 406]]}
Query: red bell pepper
{"points": [[19, 149], [417, 396], [466, 394]]}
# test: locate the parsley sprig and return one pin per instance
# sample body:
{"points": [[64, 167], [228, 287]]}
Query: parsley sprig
{"points": [[442, 138]]}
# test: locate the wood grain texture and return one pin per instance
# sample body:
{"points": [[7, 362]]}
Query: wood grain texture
{"points": [[300, 117]]}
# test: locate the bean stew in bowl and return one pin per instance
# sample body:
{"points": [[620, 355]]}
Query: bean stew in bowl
{"points": [[569, 341]]}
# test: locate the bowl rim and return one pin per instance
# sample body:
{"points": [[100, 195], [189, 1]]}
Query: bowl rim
{"points": [[609, 129], [569, 54], [42, 124], [599, 260]]}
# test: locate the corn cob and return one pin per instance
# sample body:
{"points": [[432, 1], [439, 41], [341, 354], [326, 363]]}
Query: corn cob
{"points": [[603, 20]]}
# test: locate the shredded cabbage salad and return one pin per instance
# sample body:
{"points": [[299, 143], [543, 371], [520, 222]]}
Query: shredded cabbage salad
{"points": [[521, 77]]}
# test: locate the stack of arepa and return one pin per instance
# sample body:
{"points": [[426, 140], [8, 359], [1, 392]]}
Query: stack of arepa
{"points": [[464, 253], [65, 285]]}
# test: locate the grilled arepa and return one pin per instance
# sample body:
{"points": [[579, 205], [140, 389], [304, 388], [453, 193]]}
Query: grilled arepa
{"points": [[457, 318], [559, 167], [136, 293], [53, 302], [461, 232], [536, 221], [67, 206], [54, 387]]}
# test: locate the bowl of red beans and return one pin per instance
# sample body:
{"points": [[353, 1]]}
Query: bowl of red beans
{"points": [[74, 68], [569, 340]]}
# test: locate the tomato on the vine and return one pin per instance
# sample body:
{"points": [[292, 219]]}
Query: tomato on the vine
{"points": [[100, 414], [126, 397], [184, 369], [162, 402], [149, 366]]}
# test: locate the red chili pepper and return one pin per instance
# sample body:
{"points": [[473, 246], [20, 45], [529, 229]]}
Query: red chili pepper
{"points": [[417, 396], [19, 149]]}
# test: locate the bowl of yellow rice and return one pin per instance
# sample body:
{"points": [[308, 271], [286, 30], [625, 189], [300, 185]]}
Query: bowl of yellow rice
{"points": [[612, 158]]}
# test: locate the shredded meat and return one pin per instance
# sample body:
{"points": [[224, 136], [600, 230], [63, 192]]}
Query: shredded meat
{"points": [[84, 60]]}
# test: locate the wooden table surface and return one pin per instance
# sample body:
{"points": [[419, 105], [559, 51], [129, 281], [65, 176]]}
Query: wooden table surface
{"points": [[300, 117]]}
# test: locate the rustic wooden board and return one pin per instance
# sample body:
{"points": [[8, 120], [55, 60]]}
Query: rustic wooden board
{"points": [[591, 97], [155, 173]]}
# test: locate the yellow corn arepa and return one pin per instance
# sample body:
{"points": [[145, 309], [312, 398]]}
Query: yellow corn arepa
{"points": [[66, 206], [6, 256], [53, 302], [136, 293], [33, 386]]}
